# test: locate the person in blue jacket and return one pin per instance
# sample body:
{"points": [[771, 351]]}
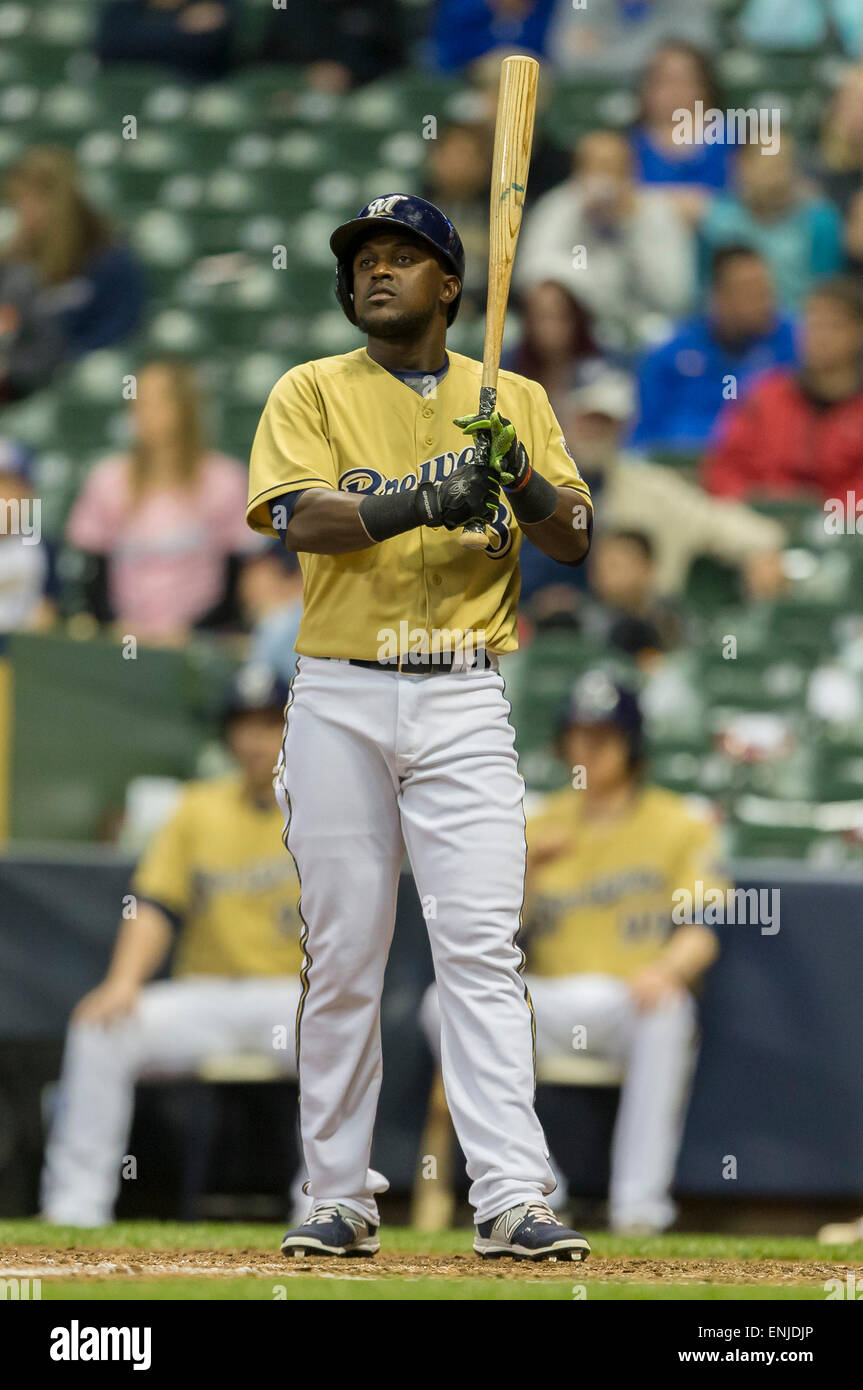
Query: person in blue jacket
{"points": [[676, 78], [464, 30], [684, 383]]}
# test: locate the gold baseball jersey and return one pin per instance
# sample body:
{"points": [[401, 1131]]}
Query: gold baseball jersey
{"points": [[604, 906], [219, 865], [347, 423]]}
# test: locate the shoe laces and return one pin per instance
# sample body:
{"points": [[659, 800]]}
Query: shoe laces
{"points": [[541, 1211], [327, 1211]]}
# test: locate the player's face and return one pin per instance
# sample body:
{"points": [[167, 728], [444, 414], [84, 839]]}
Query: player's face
{"points": [[603, 751], [254, 739], [399, 287]]}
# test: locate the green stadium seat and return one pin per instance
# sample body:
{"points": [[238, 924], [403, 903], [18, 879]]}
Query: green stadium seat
{"points": [[99, 377], [91, 427], [163, 238], [802, 629], [755, 681], [748, 841], [174, 330], [840, 767], [62, 25]]}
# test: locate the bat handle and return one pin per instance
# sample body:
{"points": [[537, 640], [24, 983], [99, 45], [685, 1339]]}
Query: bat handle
{"points": [[474, 534]]}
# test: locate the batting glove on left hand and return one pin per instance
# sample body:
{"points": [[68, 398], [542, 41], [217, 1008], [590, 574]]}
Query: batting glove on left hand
{"points": [[507, 457]]}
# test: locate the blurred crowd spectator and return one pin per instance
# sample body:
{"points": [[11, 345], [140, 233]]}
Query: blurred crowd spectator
{"points": [[676, 77], [680, 521], [340, 43], [616, 39], [838, 161], [800, 433], [624, 249], [714, 356], [464, 30], [785, 25], [194, 36], [165, 523], [67, 284], [557, 347], [797, 231], [270, 596], [28, 578], [457, 179]]}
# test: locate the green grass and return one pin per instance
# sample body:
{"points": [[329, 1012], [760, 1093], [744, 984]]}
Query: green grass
{"points": [[211, 1235], [364, 1285], [402, 1290]]}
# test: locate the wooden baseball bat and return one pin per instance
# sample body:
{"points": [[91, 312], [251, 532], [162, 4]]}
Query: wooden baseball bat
{"points": [[513, 137], [433, 1203]]}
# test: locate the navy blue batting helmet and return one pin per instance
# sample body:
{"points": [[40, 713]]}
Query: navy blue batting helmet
{"points": [[423, 219], [254, 688], [598, 699]]}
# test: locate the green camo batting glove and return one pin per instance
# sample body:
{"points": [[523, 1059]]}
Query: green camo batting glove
{"points": [[508, 456]]}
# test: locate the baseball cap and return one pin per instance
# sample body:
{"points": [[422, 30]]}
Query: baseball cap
{"points": [[611, 393]]}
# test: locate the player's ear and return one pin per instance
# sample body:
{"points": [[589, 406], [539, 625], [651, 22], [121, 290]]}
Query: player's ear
{"points": [[451, 288]]}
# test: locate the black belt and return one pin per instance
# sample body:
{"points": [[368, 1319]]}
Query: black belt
{"points": [[442, 665]]}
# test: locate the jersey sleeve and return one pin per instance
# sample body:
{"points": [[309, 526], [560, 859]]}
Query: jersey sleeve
{"points": [[165, 874], [697, 873], [552, 457], [291, 450]]}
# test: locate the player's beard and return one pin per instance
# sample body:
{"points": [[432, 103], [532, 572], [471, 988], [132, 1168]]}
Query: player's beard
{"points": [[405, 325]]}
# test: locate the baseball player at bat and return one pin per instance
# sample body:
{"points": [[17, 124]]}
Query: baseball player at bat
{"points": [[398, 735]]}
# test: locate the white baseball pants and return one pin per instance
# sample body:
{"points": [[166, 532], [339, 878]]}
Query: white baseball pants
{"points": [[657, 1049], [375, 762], [176, 1024]]}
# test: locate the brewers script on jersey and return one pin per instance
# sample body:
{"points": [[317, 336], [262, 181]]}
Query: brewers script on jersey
{"points": [[378, 758]]}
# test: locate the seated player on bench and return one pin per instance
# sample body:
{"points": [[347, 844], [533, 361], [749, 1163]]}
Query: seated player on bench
{"points": [[217, 885]]}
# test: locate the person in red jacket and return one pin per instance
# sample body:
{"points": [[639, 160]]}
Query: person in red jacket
{"points": [[800, 433]]}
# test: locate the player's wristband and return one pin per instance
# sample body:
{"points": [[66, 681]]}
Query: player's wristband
{"points": [[396, 512], [534, 499]]}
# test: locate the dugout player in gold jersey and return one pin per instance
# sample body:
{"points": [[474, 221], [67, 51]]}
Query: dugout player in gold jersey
{"points": [[613, 865], [610, 972], [398, 732], [217, 885]]}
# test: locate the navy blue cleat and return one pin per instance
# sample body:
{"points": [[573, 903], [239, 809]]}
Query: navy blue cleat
{"points": [[331, 1229], [530, 1231]]}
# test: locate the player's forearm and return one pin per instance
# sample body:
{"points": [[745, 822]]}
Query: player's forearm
{"points": [[327, 523], [334, 523], [690, 951], [565, 535], [142, 945]]}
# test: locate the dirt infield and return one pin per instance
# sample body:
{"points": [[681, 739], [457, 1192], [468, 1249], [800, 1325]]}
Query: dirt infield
{"points": [[92, 1263]]}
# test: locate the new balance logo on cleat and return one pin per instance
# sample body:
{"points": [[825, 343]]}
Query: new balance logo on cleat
{"points": [[332, 1229], [530, 1231]]}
